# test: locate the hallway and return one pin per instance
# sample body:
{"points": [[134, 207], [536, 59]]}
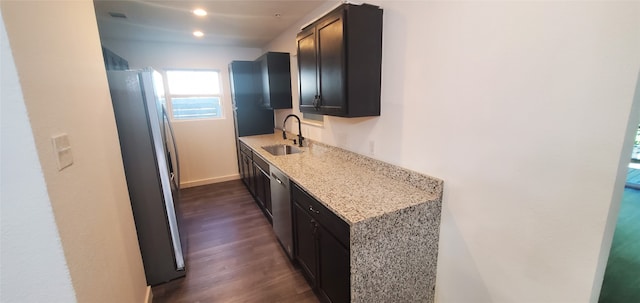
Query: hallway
{"points": [[232, 252]]}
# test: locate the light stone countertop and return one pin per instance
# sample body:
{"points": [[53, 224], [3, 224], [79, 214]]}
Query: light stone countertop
{"points": [[354, 187]]}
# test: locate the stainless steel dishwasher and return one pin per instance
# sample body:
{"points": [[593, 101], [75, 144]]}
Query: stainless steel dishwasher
{"points": [[281, 207]]}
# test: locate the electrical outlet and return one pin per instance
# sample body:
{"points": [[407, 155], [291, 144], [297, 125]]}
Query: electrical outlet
{"points": [[62, 149], [372, 147]]}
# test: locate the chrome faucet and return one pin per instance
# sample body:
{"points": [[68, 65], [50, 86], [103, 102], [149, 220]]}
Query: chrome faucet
{"points": [[284, 132]]}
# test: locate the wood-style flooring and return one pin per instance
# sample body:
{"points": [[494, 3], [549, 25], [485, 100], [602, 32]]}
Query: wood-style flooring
{"points": [[233, 254]]}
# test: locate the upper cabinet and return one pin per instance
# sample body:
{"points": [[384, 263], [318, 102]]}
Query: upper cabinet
{"points": [[339, 62], [275, 79], [257, 88], [113, 61]]}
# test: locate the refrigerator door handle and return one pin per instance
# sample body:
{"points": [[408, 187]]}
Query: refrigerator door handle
{"points": [[175, 147]]}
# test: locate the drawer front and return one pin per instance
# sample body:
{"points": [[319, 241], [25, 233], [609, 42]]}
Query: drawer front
{"points": [[245, 149], [330, 221], [262, 163]]}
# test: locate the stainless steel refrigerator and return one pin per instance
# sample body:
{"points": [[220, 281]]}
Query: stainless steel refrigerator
{"points": [[150, 159]]}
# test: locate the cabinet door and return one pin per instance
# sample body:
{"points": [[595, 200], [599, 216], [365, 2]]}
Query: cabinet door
{"points": [[305, 242], [250, 176], [347, 62], [307, 70], [334, 268], [250, 179], [263, 190], [246, 170], [267, 194], [331, 66], [274, 73], [259, 185], [113, 61], [251, 118], [243, 174], [265, 87]]}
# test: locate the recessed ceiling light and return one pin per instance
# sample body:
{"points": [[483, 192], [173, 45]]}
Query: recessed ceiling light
{"points": [[198, 34], [199, 12]]}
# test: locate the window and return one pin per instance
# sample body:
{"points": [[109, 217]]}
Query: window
{"points": [[194, 94]]}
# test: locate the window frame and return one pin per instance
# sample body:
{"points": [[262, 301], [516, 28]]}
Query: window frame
{"points": [[169, 96]]}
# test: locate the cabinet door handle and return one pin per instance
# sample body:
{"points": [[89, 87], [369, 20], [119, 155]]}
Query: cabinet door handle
{"points": [[316, 102], [313, 210], [315, 227]]}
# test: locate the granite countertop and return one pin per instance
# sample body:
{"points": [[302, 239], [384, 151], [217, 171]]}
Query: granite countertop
{"points": [[353, 186]]}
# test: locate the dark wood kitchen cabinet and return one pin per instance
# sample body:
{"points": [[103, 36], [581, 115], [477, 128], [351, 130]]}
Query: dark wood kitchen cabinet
{"points": [[274, 71], [321, 247], [254, 172], [305, 242], [112, 61], [250, 117], [339, 62], [245, 156], [262, 185]]}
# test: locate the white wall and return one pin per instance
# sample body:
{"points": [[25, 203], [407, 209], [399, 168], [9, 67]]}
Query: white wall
{"points": [[28, 227], [522, 108], [206, 148], [59, 64]]}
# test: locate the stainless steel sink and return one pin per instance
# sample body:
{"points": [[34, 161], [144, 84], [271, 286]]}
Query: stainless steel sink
{"points": [[281, 149]]}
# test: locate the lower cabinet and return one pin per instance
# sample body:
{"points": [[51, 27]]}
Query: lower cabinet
{"points": [[321, 239], [321, 247], [262, 182], [305, 242], [333, 262], [246, 166], [254, 172]]}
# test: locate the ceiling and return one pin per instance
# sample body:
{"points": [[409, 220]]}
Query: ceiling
{"points": [[243, 23]]}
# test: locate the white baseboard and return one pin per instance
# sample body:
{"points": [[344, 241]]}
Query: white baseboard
{"points": [[149, 296], [209, 181]]}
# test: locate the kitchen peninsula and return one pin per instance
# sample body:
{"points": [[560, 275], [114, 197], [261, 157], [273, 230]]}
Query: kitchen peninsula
{"points": [[392, 216]]}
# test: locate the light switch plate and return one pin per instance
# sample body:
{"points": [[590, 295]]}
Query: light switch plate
{"points": [[62, 149]]}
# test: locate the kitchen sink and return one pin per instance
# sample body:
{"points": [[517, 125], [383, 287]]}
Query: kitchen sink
{"points": [[281, 149]]}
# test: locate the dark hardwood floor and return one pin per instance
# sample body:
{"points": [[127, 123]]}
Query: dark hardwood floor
{"points": [[233, 254]]}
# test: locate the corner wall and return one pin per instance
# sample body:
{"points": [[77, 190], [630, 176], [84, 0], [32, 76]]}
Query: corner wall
{"points": [[28, 226], [206, 147], [59, 63], [522, 109]]}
